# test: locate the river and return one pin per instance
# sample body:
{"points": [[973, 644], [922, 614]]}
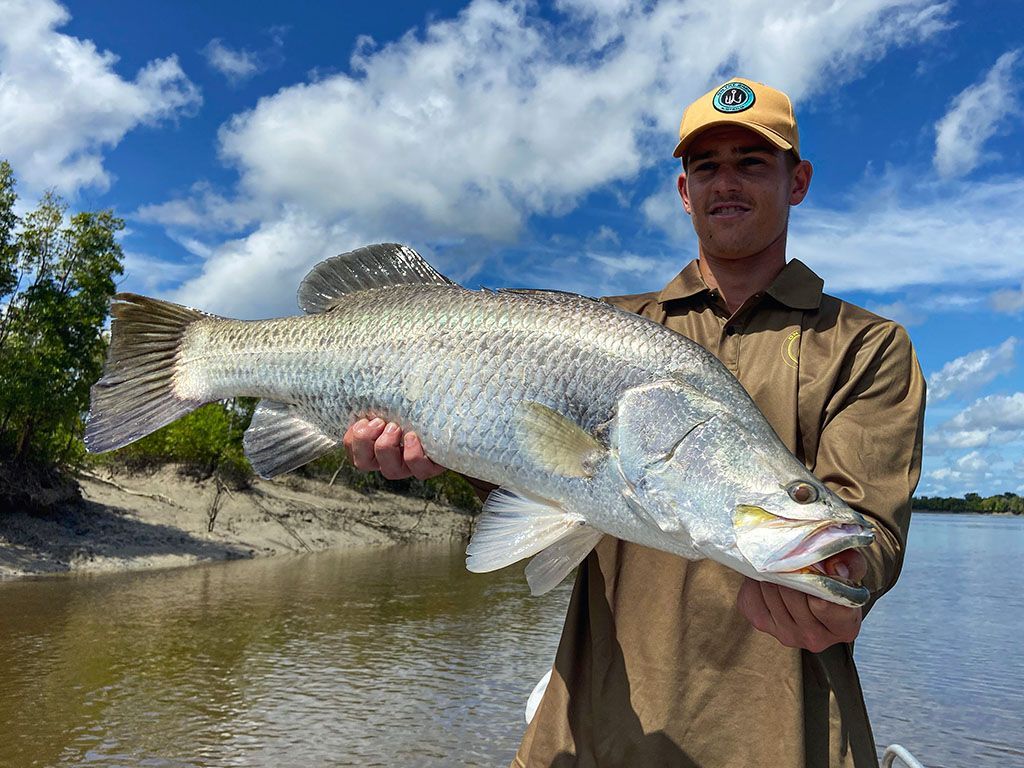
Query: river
{"points": [[398, 657]]}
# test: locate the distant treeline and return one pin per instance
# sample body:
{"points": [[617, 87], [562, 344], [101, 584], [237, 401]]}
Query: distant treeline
{"points": [[1004, 503], [57, 275]]}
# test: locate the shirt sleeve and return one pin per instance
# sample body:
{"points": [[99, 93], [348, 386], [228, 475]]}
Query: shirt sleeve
{"points": [[870, 444]]}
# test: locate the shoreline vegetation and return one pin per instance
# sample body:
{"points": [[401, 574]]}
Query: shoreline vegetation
{"points": [[972, 503]]}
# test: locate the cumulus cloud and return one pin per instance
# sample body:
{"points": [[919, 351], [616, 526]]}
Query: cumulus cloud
{"points": [[64, 104], [991, 420], [972, 371], [975, 116], [979, 449], [465, 129], [257, 275]]}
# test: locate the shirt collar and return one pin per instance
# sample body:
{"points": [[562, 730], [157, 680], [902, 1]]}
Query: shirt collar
{"points": [[796, 286]]}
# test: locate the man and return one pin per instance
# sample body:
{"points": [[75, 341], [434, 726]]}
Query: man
{"points": [[665, 662]]}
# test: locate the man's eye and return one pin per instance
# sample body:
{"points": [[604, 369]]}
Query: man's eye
{"points": [[704, 167], [752, 161]]}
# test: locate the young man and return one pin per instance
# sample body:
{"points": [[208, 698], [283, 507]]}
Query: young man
{"points": [[666, 662]]}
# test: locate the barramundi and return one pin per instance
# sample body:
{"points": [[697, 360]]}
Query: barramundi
{"points": [[590, 420]]}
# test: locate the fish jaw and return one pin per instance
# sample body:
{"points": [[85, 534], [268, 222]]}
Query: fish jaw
{"points": [[790, 552]]}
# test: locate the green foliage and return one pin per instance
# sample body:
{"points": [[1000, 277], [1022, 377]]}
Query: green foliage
{"points": [[1007, 502], [207, 442], [56, 279]]}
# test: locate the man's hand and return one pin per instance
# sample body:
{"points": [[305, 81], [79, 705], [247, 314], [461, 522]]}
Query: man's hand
{"points": [[799, 620], [374, 445]]}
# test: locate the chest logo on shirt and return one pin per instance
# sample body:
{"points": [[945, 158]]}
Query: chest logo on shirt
{"points": [[791, 350]]}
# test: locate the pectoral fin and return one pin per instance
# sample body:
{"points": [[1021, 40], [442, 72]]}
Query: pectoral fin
{"points": [[555, 443], [514, 526]]}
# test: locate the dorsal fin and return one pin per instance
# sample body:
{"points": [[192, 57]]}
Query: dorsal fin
{"points": [[373, 266]]}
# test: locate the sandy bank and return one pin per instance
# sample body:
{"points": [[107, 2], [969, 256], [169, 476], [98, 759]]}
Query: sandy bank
{"points": [[164, 519]]}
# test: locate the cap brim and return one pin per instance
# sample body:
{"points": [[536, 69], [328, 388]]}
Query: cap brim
{"points": [[768, 133]]}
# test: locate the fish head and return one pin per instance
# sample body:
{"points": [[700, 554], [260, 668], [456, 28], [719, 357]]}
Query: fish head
{"points": [[785, 536], [711, 486]]}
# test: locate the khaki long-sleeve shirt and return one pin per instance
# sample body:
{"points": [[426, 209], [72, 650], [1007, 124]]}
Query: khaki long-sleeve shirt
{"points": [[656, 666]]}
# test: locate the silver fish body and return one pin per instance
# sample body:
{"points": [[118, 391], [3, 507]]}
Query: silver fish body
{"points": [[592, 420]]}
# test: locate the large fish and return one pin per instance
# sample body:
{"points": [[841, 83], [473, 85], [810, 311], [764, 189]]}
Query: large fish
{"points": [[592, 420]]}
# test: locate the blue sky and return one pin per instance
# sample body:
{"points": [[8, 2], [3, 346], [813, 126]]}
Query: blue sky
{"points": [[530, 145]]}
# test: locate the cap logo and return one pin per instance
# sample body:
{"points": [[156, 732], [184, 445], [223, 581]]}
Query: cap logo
{"points": [[733, 97]]}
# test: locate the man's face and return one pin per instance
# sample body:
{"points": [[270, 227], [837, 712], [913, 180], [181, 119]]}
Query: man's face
{"points": [[738, 189]]}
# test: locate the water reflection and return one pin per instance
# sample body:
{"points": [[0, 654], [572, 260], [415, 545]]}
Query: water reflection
{"points": [[400, 657], [390, 657]]}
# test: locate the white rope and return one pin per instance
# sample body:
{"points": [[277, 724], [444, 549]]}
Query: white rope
{"points": [[895, 750]]}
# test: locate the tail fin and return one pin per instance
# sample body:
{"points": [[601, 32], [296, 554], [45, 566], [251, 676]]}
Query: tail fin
{"points": [[136, 394]]}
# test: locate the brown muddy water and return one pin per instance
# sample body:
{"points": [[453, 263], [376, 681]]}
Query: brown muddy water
{"points": [[399, 657]]}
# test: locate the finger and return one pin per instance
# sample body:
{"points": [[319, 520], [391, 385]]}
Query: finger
{"points": [[388, 450], [785, 626], [841, 621], [811, 633], [416, 460], [751, 605], [364, 433]]}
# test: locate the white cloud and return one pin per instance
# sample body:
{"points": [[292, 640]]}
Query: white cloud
{"points": [[473, 125], [241, 64], [984, 473], [258, 275], [900, 234], [975, 116], [151, 274], [990, 420], [1008, 300], [970, 372], [63, 103], [235, 65]]}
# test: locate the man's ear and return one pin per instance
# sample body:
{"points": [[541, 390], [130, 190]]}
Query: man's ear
{"points": [[683, 194], [801, 182]]}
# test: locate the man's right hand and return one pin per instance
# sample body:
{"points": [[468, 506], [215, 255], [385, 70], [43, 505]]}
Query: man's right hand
{"points": [[376, 445]]}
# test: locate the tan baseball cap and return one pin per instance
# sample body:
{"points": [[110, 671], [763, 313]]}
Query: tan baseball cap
{"points": [[745, 103]]}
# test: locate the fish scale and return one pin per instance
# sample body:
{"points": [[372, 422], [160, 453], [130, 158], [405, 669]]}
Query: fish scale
{"points": [[591, 419]]}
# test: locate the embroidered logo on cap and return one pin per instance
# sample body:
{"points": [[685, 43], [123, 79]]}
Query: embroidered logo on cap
{"points": [[733, 97]]}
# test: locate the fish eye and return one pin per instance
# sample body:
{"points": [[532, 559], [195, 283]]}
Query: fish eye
{"points": [[802, 493]]}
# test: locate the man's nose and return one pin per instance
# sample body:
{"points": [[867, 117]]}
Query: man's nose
{"points": [[727, 179]]}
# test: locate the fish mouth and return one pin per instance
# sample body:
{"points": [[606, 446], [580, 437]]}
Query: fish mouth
{"points": [[815, 581], [797, 561]]}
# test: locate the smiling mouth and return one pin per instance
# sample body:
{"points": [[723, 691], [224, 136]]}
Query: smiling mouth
{"points": [[728, 210]]}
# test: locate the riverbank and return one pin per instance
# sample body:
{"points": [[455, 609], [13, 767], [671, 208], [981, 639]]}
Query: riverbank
{"points": [[129, 521]]}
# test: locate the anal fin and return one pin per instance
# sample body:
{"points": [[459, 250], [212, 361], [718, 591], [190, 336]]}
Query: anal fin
{"points": [[549, 567], [279, 439], [512, 527]]}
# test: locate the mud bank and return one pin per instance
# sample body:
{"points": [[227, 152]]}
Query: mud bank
{"points": [[165, 519]]}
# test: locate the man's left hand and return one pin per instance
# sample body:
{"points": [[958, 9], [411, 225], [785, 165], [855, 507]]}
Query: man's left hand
{"points": [[799, 620]]}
